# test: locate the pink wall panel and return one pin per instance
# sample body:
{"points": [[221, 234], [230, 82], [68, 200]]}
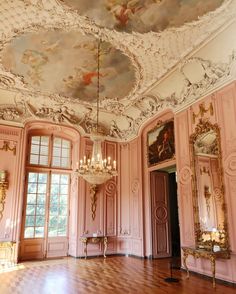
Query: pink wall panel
{"points": [[124, 228], [224, 114], [10, 223]]}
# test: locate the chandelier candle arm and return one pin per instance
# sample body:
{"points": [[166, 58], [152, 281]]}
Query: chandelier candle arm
{"points": [[96, 170]]}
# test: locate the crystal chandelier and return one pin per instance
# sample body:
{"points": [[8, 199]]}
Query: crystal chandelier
{"points": [[96, 170]]}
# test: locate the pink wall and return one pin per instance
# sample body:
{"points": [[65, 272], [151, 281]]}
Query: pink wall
{"points": [[10, 223], [123, 203], [224, 106]]}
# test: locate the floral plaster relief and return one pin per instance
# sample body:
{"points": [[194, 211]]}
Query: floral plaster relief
{"points": [[66, 63], [142, 15]]}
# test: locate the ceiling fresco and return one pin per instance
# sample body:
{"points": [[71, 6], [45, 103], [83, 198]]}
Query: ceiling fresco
{"points": [[142, 15], [66, 63], [48, 60]]}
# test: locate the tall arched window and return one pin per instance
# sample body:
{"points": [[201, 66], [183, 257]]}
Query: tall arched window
{"points": [[46, 205]]}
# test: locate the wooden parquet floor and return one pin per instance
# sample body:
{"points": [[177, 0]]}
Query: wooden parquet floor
{"points": [[111, 275]]}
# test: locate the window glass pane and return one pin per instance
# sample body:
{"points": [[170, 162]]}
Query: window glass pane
{"points": [[39, 232], [39, 221], [42, 178], [54, 199], [57, 142], [29, 221], [56, 151], [30, 210], [31, 198], [40, 210], [32, 188], [53, 221], [55, 189], [34, 149], [35, 140], [63, 210], [39, 150], [55, 178], [29, 232], [63, 199], [34, 159], [61, 153], [56, 161], [64, 179], [45, 140], [66, 144], [32, 177], [58, 205], [53, 210], [35, 208], [41, 199], [65, 153], [42, 188], [44, 150], [62, 221], [64, 189], [43, 160], [65, 162]]}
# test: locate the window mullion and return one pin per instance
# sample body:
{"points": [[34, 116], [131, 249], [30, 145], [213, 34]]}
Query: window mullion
{"points": [[47, 211]]}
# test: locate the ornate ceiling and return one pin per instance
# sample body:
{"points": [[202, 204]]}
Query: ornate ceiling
{"points": [[48, 65]]}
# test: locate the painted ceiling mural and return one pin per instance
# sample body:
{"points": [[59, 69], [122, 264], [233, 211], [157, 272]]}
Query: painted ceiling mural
{"points": [[48, 60], [143, 15], [65, 63]]}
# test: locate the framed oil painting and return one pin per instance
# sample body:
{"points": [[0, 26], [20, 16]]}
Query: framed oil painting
{"points": [[161, 143]]}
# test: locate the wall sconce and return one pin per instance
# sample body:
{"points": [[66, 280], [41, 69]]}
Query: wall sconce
{"points": [[3, 189]]}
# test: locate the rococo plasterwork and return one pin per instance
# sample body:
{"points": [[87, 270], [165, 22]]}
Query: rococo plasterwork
{"points": [[47, 62]]}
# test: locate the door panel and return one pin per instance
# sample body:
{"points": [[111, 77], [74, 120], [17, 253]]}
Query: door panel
{"points": [[160, 215], [45, 221], [57, 242]]}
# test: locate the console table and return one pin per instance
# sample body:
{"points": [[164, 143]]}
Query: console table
{"points": [[94, 240], [204, 253], [7, 249]]}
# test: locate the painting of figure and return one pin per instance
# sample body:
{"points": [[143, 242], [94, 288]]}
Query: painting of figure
{"points": [[161, 143], [66, 63], [142, 15]]}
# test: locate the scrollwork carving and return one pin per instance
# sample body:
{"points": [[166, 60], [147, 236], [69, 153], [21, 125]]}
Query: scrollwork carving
{"points": [[210, 214]]}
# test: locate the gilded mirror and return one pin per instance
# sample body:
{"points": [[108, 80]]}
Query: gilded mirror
{"points": [[210, 215]]}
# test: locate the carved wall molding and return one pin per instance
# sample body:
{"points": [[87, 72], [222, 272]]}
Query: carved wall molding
{"points": [[202, 111], [110, 188], [135, 186], [9, 133], [161, 213], [230, 164], [147, 52], [185, 175], [6, 147]]}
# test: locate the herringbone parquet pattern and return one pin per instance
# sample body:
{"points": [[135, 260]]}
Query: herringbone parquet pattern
{"points": [[98, 275]]}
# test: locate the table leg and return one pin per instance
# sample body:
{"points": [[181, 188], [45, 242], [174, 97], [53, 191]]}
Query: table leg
{"points": [[85, 249], [185, 264], [105, 246], [213, 270]]}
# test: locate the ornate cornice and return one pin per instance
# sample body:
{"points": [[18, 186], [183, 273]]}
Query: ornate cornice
{"points": [[153, 55]]}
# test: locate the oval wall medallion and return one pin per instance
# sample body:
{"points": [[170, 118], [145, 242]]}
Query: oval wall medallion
{"points": [[110, 187], [135, 186], [230, 164], [161, 214], [185, 175]]}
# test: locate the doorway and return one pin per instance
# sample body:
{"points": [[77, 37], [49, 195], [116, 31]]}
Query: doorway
{"points": [[164, 213]]}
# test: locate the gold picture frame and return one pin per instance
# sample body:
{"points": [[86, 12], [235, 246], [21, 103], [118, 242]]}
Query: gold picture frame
{"points": [[161, 143]]}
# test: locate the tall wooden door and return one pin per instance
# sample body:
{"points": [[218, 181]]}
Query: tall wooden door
{"points": [[161, 237], [45, 216]]}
